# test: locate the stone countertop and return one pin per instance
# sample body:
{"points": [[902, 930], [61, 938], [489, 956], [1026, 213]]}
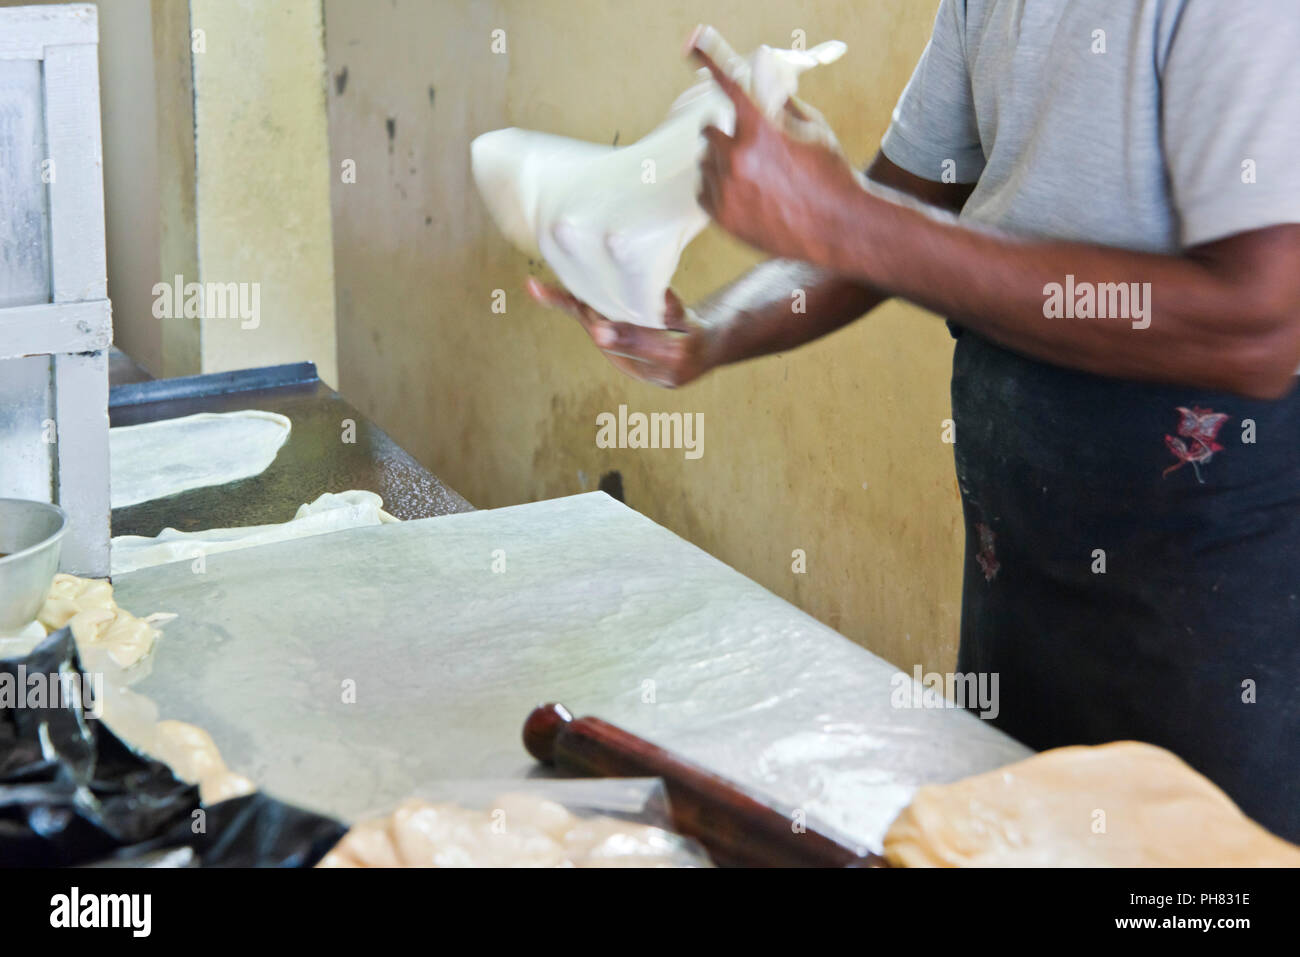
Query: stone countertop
{"points": [[352, 670]]}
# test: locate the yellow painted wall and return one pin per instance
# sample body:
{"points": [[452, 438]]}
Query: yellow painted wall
{"points": [[131, 214], [177, 252], [262, 184], [834, 449]]}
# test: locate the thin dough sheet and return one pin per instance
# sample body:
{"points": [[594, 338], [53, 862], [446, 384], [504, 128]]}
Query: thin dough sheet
{"points": [[158, 459], [331, 512]]}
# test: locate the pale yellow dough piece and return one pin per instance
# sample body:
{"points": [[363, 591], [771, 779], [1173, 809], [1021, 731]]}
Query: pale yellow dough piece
{"points": [[520, 830], [87, 606], [1124, 804], [99, 625], [193, 757]]}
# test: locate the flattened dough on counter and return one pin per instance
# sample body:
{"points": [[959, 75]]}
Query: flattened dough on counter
{"points": [[1047, 811], [520, 830], [157, 459]]}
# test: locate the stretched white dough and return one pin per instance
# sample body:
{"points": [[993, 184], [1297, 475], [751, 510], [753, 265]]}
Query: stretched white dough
{"points": [[157, 459], [330, 512], [612, 221]]}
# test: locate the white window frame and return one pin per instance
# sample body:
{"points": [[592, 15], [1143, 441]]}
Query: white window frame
{"points": [[75, 328]]}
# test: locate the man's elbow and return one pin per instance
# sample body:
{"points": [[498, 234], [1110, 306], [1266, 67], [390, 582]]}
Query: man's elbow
{"points": [[1262, 364], [1268, 388], [1252, 319]]}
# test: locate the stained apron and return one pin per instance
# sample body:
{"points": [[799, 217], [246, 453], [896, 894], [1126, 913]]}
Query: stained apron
{"points": [[1132, 567]]}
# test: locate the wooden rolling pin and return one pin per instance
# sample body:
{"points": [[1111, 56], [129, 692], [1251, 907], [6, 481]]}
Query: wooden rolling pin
{"points": [[734, 828]]}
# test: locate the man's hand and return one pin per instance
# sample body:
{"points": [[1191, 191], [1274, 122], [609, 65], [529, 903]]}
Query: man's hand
{"points": [[668, 357], [777, 193]]}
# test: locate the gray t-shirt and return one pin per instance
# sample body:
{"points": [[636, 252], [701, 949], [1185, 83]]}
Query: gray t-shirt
{"points": [[1146, 124]]}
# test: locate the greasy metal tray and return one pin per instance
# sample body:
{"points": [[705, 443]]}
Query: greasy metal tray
{"points": [[312, 461]]}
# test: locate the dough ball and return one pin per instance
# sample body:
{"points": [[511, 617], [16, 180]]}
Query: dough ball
{"points": [[188, 750], [223, 786], [69, 595], [525, 810], [87, 605], [518, 830], [1124, 804], [368, 844]]}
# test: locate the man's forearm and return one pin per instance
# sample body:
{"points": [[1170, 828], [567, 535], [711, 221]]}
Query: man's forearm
{"points": [[784, 303], [1215, 321], [779, 305]]}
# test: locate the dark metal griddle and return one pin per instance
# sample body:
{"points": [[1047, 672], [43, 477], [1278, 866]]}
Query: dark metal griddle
{"points": [[314, 460]]}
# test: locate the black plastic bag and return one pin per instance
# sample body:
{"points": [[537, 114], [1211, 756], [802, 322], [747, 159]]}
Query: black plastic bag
{"points": [[72, 793]]}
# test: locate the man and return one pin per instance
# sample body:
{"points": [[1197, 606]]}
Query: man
{"points": [[1124, 284]]}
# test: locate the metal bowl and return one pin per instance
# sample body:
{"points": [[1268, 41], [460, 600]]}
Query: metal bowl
{"points": [[31, 534]]}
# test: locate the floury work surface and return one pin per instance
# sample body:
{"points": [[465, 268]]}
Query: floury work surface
{"points": [[345, 671]]}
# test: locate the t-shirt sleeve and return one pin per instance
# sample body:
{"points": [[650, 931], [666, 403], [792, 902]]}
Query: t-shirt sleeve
{"points": [[934, 120], [1231, 117]]}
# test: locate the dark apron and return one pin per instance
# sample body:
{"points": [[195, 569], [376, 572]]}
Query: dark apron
{"points": [[1199, 602]]}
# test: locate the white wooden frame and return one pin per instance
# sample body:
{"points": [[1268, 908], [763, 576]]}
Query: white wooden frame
{"points": [[75, 327]]}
